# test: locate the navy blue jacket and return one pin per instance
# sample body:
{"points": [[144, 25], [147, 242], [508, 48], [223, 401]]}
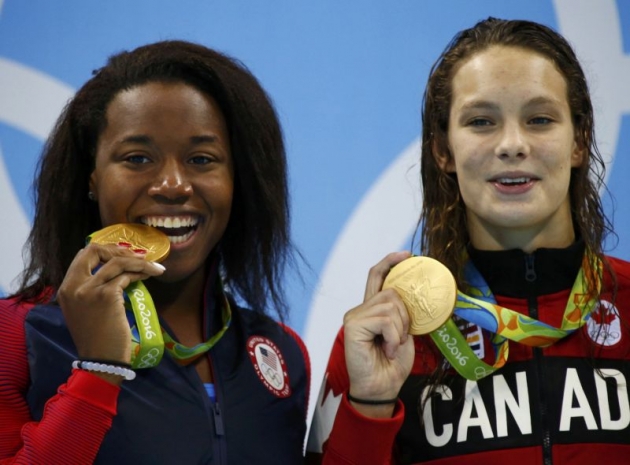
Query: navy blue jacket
{"points": [[165, 415]]}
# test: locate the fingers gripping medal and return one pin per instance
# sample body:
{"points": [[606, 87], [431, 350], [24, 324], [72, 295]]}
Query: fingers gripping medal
{"points": [[148, 346], [429, 292]]}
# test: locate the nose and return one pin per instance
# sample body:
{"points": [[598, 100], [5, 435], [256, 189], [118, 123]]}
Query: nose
{"points": [[171, 183], [512, 142]]}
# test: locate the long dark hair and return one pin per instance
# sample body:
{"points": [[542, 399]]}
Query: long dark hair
{"points": [[256, 245]]}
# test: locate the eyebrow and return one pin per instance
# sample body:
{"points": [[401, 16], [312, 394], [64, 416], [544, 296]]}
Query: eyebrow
{"points": [[542, 100], [194, 140], [137, 139], [486, 105], [479, 105], [211, 139]]}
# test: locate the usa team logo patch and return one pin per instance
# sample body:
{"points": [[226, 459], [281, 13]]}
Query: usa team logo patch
{"points": [[269, 365], [604, 326]]}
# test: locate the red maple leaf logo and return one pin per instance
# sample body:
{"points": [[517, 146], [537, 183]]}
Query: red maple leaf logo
{"points": [[603, 315]]}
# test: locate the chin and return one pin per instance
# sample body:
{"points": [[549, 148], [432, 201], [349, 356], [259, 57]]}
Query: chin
{"points": [[516, 217], [175, 274]]}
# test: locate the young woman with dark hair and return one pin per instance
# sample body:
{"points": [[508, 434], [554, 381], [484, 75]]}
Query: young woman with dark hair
{"points": [[177, 138]]}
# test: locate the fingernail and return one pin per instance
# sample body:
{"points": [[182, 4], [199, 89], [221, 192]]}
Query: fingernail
{"points": [[158, 265]]}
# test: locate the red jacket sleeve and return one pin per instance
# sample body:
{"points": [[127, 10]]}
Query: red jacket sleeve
{"points": [[340, 435], [75, 420]]}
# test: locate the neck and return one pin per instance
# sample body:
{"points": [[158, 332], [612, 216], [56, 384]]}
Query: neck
{"points": [[485, 237], [178, 298]]}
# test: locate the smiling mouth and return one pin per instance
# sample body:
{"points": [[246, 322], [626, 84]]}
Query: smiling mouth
{"points": [[178, 228], [512, 181]]}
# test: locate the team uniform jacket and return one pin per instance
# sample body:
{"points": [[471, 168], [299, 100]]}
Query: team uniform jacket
{"points": [[564, 404], [51, 414]]}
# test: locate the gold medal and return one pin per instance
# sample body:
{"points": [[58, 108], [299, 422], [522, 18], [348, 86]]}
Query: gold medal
{"points": [[140, 238], [428, 291]]}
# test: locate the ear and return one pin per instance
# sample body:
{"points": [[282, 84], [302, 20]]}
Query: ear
{"points": [[578, 155], [93, 185], [443, 158]]}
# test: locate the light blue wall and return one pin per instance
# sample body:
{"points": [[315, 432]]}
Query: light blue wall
{"points": [[347, 80]]}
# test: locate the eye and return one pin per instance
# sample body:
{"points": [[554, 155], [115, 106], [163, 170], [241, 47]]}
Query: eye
{"points": [[540, 120], [200, 159], [479, 122], [137, 159]]}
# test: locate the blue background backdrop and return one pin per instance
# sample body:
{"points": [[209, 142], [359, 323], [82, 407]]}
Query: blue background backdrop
{"points": [[347, 80]]}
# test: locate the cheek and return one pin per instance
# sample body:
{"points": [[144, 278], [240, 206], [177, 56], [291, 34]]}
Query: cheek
{"points": [[561, 165], [471, 165], [114, 198], [228, 200], [221, 195], [467, 154]]}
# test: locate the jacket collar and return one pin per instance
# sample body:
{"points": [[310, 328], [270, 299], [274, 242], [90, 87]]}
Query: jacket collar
{"points": [[505, 271]]}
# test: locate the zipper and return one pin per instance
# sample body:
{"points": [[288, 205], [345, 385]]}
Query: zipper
{"points": [[219, 441], [530, 271], [219, 448], [542, 395], [218, 420], [532, 304]]}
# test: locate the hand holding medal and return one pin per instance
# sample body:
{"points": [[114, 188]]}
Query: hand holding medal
{"points": [[149, 339], [154, 245], [430, 294]]}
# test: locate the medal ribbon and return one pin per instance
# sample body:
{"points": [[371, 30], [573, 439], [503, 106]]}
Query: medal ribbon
{"points": [[507, 324], [149, 339]]}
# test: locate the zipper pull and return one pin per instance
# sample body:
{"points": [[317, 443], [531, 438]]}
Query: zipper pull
{"points": [[530, 271], [218, 420]]}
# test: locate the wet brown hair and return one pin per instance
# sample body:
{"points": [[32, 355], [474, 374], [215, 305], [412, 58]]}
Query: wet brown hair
{"points": [[443, 226]]}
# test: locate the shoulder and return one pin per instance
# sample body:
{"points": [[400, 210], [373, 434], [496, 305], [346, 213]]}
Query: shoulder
{"points": [[15, 315], [620, 266], [264, 324], [621, 269], [258, 327], [13, 311], [13, 357]]}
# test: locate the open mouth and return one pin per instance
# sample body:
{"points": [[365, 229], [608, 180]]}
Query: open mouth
{"points": [[178, 228], [513, 181]]}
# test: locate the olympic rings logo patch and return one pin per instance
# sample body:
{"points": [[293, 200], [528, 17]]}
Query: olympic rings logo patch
{"points": [[269, 365], [604, 326]]}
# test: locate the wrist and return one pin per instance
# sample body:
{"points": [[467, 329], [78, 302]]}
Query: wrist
{"points": [[362, 401], [111, 379], [373, 408], [111, 371]]}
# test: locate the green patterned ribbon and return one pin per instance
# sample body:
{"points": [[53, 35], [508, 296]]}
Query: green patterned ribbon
{"points": [[506, 324], [149, 339]]}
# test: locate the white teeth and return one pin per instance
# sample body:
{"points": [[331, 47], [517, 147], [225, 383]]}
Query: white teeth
{"points": [[179, 239], [513, 180], [171, 221]]}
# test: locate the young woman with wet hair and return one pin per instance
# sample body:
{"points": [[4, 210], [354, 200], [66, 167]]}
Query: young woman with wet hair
{"points": [[533, 365]]}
